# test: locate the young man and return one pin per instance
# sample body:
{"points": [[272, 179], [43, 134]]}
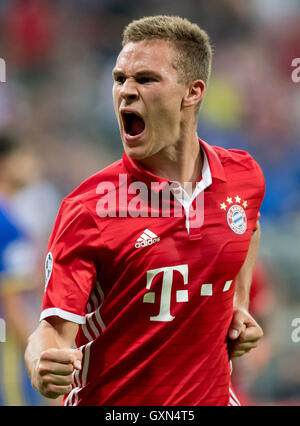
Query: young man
{"points": [[156, 301]]}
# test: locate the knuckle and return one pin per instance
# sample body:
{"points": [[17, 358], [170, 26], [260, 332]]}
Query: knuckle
{"points": [[53, 391], [69, 369], [69, 380], [69, 357], [51, 388], [65, 380], [44, 354], [48, 352], [45, 390], [45, 381], [42, 370], [79, 354]]}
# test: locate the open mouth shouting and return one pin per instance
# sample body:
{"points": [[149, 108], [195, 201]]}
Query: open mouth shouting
{"points": [[133, 125]]}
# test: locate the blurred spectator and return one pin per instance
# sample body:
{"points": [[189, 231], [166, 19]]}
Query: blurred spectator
{"points": [[24, 222], [29, 31]]}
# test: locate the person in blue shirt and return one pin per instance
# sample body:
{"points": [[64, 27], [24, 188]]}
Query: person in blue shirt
{"points": [[17, 268]]}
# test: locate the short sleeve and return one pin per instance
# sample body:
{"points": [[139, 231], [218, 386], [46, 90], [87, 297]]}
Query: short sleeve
{"points": [[261, 188], [71, 263], [256, 181], [257, 219]]}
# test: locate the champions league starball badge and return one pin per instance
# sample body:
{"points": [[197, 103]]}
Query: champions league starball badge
{"points": [[48, 268], [237, 219]]}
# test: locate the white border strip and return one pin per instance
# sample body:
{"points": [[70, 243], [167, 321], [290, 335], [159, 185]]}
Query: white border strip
{"points": [[86, 363], [232, 402], [72, 398], [78, 319], [233, 397]]}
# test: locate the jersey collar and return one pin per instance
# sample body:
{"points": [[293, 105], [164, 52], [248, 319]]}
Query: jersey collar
{"points": [[212, 168], [215, 165], [143, 175]]}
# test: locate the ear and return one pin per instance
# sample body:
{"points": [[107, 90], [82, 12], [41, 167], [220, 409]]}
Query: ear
{"points": [[194, 94]]}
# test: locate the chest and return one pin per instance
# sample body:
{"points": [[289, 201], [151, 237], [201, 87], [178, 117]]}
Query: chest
{"points": [[211, 235]]}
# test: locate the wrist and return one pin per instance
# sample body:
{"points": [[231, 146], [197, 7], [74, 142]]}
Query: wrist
{"points": [[241, 302], [33, 373]]}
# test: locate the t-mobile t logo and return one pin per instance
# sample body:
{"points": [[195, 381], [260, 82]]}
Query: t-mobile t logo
{"points": [[166, 290], [2, 71]]}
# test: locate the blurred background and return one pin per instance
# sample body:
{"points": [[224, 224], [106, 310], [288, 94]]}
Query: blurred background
{"points": [[57, 127]]}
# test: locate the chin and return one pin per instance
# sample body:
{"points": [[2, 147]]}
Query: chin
{"points": [[136, 152]]}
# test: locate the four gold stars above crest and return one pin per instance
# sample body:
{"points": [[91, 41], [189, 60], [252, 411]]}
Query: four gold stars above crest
{"points": [[231, 200]]}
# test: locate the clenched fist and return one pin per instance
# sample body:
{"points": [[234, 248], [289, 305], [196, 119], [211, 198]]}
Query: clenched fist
{"points": [[53, 371], [244, 333]]}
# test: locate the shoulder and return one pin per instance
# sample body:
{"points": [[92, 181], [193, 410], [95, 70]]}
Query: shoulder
{"points": [[236, 161], [87, 190], [80, 206], [236, 158]]}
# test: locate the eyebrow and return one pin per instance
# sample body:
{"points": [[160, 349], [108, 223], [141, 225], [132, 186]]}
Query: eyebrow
{"points": [[141, 73]]}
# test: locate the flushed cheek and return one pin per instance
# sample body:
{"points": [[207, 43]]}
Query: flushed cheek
{"points": [[165, 118], [116, 100], [119, 119]]}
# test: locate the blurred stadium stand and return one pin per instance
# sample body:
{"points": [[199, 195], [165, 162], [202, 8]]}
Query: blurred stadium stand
{"points": [[57, 101]]}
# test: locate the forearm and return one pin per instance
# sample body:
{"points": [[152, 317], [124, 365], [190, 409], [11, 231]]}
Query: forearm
{"points": [[244, 277], [50, 334]]}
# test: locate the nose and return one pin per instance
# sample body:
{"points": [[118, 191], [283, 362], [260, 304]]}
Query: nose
{"points": [[129, 90]]}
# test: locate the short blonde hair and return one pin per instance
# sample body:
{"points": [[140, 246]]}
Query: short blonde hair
{"points": [[193, 50]]}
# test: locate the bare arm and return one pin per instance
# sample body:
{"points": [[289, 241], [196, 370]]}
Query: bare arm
{"points": [[244, 277], [49, 357], [244, 331]]}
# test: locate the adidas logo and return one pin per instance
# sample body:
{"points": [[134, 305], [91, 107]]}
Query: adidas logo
{"points": [[146, 239]]}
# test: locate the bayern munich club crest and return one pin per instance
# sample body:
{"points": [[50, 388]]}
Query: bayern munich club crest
{"points": [[237, 219], [236, 215]]}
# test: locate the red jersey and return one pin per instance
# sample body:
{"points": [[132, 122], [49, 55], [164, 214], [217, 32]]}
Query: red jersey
{"points": [[153, 293]]}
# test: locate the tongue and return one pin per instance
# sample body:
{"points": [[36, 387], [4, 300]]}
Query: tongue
{"points": [[137, 125]]}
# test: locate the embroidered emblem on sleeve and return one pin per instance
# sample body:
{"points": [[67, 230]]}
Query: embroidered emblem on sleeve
{"points": [[48, 268]]}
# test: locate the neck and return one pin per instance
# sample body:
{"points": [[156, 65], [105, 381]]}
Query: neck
{"points": [[181, 162]]}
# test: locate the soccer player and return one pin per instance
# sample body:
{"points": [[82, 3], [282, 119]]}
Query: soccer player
{"points": [[155, 301]]}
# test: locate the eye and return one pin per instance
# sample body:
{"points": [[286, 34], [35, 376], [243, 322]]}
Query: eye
{"points": [[145, 80], [119, 79]]}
